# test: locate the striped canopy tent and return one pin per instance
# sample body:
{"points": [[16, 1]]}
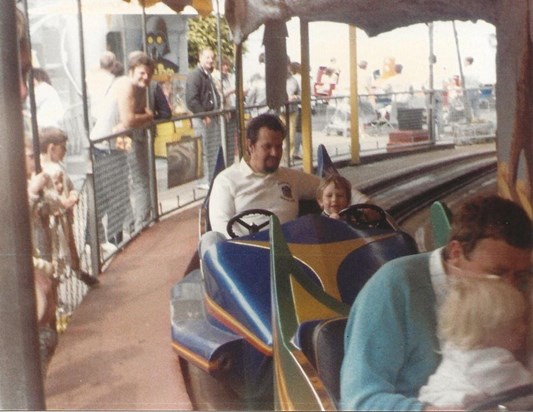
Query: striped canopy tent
{"points": [[113, 7], [203, 7]]}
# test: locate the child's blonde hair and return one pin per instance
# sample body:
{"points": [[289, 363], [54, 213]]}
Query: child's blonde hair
{"points": [[340, 182], [476, 307]]}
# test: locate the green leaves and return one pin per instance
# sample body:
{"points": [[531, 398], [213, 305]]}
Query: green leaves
{"points": [[203, 33]]}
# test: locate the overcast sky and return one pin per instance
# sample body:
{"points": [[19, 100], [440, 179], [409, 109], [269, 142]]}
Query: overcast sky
{"points": [[408, 46]]}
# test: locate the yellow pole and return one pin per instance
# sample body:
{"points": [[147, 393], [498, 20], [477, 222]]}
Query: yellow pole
{"points": [[307, 139], [240, 99], [354, 100]]}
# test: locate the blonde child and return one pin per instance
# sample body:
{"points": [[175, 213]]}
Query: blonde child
{"points": [[53, 143], [60, 222], [481, 324], [42, 200], [333, 195], [53, 147]]}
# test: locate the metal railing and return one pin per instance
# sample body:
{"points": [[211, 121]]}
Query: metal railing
{"points": [[381, 114]]}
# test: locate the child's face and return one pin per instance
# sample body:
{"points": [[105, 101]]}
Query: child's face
{"points": [[58, 182], [30, 162], [511, 337], [333, 199], [57, 152]]}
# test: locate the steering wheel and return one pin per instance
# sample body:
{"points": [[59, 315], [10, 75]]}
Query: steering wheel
{"points": [[252, 227], [365, 216]]}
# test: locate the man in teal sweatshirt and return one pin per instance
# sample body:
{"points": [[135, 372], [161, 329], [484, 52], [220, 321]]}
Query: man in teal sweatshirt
{"points": [[391, 343]]}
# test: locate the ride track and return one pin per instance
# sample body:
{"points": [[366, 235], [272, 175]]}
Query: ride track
{"points": [[406, 192]]}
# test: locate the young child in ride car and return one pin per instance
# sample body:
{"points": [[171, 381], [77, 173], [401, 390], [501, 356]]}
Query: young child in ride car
{"points": [[481, 323], [333, 195]]}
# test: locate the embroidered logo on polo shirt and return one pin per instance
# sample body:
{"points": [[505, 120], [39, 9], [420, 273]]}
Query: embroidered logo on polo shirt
{"points": [[286, 191]]}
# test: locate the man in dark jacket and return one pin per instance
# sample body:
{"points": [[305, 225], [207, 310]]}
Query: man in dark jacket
{"points": [[201, 96]]}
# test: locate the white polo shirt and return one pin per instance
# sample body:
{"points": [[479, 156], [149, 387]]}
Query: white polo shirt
{"points": [[239, 188]]}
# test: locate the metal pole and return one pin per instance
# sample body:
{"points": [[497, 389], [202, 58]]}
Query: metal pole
{"points": [[431, 111], [91, 212], [354, 98], [219, 45], [83, 72], [150, 134], [43, 237], [240, 99], [307, 137], [143, 18], [466, 102], [223, 140], [31, 98], [21, 385]]}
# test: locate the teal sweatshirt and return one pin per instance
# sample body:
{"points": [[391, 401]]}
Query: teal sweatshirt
{"points": [[391, 347]]}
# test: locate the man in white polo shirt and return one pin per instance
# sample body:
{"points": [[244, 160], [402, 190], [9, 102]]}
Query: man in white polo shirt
{"points": [[259, 182]]}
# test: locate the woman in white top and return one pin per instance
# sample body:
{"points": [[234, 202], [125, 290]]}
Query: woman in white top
{"points": [[50, 110]]}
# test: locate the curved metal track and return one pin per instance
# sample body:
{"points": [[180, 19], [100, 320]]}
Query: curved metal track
{"points": [[415, 188]]}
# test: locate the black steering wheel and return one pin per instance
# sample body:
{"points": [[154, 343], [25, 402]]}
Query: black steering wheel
{"points": [[252, 227], [365, 216]]}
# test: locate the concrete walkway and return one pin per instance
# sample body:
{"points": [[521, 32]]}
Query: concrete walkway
{"points": [[116, 352]]}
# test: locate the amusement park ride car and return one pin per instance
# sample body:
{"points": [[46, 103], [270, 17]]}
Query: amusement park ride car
{"points": [[264, 314], [228, 322]]}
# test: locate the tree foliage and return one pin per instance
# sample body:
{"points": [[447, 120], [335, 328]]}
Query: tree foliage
{"points": [[203, 33]]}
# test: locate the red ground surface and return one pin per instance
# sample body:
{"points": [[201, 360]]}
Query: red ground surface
{"points": [[116, 352]]}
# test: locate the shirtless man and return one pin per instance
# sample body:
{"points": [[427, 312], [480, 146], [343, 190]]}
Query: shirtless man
{"points": [[125, 107]]}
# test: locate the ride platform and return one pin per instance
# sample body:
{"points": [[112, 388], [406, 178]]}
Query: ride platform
{"points": [[116, 352], [401, 140]]}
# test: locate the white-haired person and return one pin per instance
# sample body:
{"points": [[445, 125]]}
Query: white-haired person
{"points": [[482, 325]]}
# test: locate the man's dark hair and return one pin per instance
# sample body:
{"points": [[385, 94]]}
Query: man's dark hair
{"points": [[491, 217], [138, 58], [117, 69], [41, 75], [270, 121], [296, 68], [50, 135], [225, 60]]}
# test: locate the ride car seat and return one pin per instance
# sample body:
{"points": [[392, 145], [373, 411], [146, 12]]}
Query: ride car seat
{"points": [[203, 217], [322, 342], [441, 223]]}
